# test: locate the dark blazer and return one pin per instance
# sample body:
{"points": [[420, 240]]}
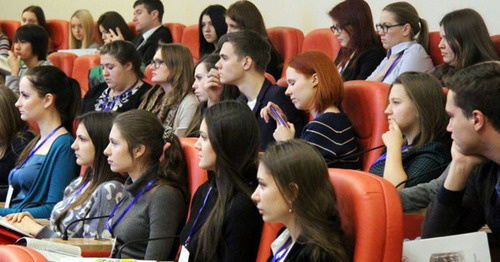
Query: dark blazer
{"points": [[363, 64], [148, 50], [276, 94]]}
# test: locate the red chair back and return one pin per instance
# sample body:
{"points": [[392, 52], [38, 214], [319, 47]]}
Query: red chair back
{"points": [[434, 51], [15, 253], [177, 30], [496, 41], [190, 38], [9, 28], [269, 234], [323, 40], [371, 214], [287, 41], [364, 103], [148, 74], [59, 33], [64, 61], [81, 69], [196, 175], [131, 25]]}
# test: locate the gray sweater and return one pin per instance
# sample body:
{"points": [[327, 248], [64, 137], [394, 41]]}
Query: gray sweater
{"points": [[159, 212]]}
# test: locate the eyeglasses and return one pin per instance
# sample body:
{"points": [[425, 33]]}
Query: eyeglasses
{"points": [[337, 29], [385, 28], [156, 63]]}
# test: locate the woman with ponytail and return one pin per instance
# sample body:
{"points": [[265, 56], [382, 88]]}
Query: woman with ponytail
{"points": [[47, 165], [155, 199]]}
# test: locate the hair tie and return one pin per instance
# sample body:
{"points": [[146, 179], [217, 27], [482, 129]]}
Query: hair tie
{"points": [[168, 134]]}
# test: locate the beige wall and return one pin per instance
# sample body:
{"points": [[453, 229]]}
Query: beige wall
{"points": [[302, 14]]}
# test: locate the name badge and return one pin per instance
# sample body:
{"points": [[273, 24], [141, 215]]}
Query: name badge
{"points": [[184, 256]]}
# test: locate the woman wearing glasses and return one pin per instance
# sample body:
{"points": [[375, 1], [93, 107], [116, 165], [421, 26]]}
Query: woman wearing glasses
{"points": [[123, 89], [361, 50], [172, 99], [405, 35]]}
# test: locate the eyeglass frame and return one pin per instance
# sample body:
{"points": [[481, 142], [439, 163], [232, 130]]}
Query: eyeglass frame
{"points": [[156, 63], [338, 29], [385, 28]]}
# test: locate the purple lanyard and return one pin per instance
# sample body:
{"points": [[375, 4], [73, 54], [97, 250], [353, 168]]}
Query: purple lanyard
{"points": [[111, 227], [33, 151], [392, 65], [76, 194], [110, 106], [191, 233], [384, 155], [277, 258]]}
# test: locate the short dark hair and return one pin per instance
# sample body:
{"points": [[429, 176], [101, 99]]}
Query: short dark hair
{"points": [[37, 36], [152, 5], [477, 87], [124, 52], [249, 43]]}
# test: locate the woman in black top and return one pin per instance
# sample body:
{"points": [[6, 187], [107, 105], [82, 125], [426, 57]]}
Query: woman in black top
{"points": [[224, 224]]}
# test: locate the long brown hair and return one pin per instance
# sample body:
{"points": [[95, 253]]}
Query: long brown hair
{"points": [[247, 16], [301, 175], [88, 30], [405, 13], [98, 126], [10, 122]]}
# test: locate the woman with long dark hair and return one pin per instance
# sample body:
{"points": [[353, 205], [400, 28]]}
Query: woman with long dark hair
{"points": [[211, 26]]}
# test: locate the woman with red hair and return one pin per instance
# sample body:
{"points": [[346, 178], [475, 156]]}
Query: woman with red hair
{"points": [[361, 50], [315, 85]]}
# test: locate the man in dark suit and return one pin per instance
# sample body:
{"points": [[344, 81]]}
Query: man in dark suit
{"points": [[148, 16], [244, 56]]}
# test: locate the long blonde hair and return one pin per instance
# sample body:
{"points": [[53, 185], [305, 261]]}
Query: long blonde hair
{"points": [[88, 30]]}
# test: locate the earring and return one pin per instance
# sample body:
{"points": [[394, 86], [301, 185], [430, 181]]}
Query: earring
{"points": [[290, 210]]}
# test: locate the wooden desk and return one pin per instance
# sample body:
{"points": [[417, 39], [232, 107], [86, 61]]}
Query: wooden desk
{"points": [[90, 247]]}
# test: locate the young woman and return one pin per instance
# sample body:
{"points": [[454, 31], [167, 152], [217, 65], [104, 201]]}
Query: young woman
{"points": [[34, 15], [14, 136], [207, 91], [92, 195], [30, 47], [155, 198], [244, 15], [405, 35], [212, 25], [361, 50], [123, 89], [110, 25], [315, 85], [417, 144], [172, 99], [305, 204], [81, 33], [47, 164], [465, 41], [224, 224]]}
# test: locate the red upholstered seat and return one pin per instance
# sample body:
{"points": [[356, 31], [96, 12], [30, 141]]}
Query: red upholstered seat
{"points": [[15, 253], [59, 33], [371, 214], [496, 41], [287, 41], [190, 38], [323, 40], [81, 69], [269, 234], [131, 25], [364, 103], [148, 74], [196, 175], [64, 61], [434, 51], [9, 28], [177, 30]]}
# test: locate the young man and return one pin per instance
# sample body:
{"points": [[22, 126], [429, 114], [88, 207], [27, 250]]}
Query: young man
{"points": [[470, 194], [244, 56], [148, 15]]}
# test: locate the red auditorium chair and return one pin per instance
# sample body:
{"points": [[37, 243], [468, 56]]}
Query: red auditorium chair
{"points": [[287, 41], [190, 38], [496, 41], [364, 103], [59, 33], [177, 30], [269, 234], [324, 40], [148, 74], [9, 28], [131, 25], [81, 69], [434, 51], [97, 38], [371, 214], [64, 61], [196, 175], [15, 253]]}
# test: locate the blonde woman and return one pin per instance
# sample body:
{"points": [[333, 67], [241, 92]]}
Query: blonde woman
{"points": [[81, 33]]}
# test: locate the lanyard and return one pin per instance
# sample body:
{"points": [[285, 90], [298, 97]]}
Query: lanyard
{"points": [[277, 258], [344, 66], [384, 155], [392, 66], [33, 151], [192, 231], [76, 194], [111, 227], [110, 106]]}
